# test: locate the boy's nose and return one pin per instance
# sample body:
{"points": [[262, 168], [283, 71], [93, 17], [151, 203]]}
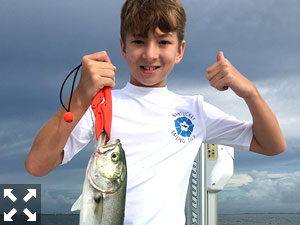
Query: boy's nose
{"points": [[150, 51]]}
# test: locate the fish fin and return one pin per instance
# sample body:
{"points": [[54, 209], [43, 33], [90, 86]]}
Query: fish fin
{"points": [[98, 206], [76, 205]]}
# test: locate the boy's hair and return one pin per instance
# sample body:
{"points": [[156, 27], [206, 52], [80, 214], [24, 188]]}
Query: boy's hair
{"points": [[138, 17]]}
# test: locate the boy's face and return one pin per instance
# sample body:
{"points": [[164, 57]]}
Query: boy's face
{"points": [[151, 59]]}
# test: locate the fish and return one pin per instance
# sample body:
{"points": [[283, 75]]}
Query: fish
{"points": [[103, 197]]}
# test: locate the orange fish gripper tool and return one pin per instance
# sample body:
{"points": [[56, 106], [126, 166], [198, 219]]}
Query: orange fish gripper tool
{"points": [[102, 108]]}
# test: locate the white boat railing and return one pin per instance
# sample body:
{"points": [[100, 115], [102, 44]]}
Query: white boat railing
{"points": [[212, 169]]}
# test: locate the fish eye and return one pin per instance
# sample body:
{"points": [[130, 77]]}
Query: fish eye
{"points": [[115, 156]]}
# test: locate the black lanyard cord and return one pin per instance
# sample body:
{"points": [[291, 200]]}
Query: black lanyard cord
{"points": [[73, 84]]}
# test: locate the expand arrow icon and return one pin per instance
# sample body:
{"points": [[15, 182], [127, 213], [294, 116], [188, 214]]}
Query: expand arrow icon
{"points": [[8, 193], [31, 217], [31, 193], [8, 216]]}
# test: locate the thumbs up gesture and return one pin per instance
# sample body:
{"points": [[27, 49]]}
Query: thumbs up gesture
{"points": [[223, 75]]}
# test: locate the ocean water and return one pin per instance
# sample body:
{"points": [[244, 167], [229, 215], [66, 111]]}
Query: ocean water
{"points": [[232, 219], [60, 219], [259, 219]]}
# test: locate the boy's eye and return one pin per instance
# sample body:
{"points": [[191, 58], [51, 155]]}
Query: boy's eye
{"points": [[138, 41], [163, 42]]}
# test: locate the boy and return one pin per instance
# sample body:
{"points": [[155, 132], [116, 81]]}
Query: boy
{"points": [[160, 131]]}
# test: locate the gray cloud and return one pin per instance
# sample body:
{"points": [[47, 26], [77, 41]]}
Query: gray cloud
{"points": [[265, 192], [296, 148], [259, 37], [56, 203]]}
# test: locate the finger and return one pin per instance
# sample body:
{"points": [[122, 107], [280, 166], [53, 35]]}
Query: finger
{"points": [[96, 65], [221, 85], [105, 65], [107, 73], [99, 56], [211, 68], [216, 79], [212, 72], [215, 68], [97, 74], [220, 56], [220, 82], [106, 82]]}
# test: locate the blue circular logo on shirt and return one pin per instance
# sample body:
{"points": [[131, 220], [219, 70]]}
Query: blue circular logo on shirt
{"points": [[184, 126]]}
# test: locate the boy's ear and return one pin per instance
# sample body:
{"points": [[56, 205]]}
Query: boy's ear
{"points": [[122, 47], [180, 52]]}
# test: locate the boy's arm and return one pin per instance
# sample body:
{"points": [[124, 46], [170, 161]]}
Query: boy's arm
{"points": [[267, 136], [47, 149]]}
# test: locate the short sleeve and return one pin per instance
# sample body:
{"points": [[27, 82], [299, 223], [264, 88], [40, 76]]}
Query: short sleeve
{"points": [[81, 135], [224, 129]]}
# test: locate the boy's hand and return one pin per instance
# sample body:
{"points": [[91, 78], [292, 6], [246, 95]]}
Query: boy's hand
{"points": [[223, 74], [97, 72], [267, 136]]}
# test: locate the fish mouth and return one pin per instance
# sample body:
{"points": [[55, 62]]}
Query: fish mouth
{"points": [[109, 146]]}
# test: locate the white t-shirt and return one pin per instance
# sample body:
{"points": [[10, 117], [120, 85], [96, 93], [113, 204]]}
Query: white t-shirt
{"points": [[161, 133]]}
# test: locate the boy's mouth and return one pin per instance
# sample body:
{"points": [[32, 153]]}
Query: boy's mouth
{"points": [[150, 68]]}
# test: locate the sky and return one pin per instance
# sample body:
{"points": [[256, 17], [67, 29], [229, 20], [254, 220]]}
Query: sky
{"points": [[42, 41]]}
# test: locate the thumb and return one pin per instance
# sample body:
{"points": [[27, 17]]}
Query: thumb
{"points": [[220, 56]]}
